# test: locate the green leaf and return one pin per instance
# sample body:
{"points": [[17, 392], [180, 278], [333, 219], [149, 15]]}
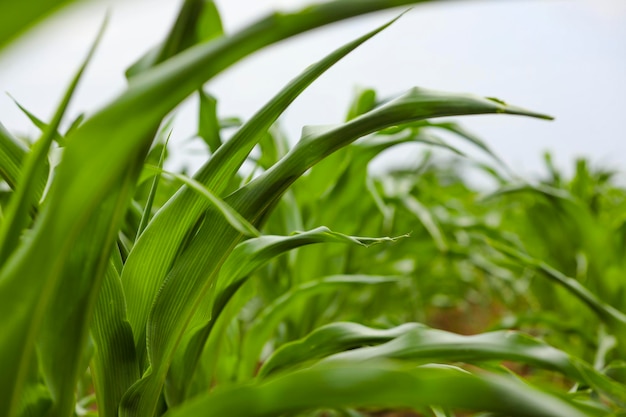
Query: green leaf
{"points": [[190, 277], [36, 167], [425, 217], [74, 125], [12, 155], [197, 21], [208, 122], [40, 124], [230, 215], [318, 142], [380, 385], [88, 206], [61, 363], [318, 344], [364, 101], [114, 366], [615, 319], [421, 344], [209, 24], [155, 251], [253, 253], [245, 258], [147, 211], [475, 140], [15, 16]]}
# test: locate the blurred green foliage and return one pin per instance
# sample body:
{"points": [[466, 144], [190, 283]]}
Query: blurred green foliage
{"points": [[285, 278]]}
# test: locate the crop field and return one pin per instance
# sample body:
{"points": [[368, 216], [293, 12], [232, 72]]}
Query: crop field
{"points": [[284, 277]]}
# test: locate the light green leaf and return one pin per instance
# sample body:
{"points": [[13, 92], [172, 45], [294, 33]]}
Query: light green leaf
{"points": [[40, 124], [12, 155], [334, 337], [197, 20], [16, 16], [208, 122], [426, 218]]}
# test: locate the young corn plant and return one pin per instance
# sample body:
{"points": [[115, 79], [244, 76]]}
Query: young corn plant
{"points": [[128, 290]]}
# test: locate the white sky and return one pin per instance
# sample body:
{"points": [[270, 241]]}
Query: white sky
{"points": [[563, 57]]}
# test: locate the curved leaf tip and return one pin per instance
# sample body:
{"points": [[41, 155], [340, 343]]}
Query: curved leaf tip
{"points": [[518, 110]]}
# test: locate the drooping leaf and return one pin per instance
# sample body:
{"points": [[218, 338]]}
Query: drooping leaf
{"points": [[381, 385], [230, 215], [421, 344]]}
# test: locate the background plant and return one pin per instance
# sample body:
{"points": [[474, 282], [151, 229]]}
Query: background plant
{"points": [[253, 292]]}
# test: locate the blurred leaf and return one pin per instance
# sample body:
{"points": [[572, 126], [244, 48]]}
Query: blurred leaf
{"points": [[364, 101], [12, 155], [386, 385], [40, 124], [197, 21], [615, 319], [328, 340], [269, 318], [208, 122], [15, 17], [426, 218], [422, 344]]}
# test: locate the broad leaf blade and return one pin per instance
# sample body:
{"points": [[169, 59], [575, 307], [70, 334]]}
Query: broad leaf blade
{"points": [[380, 385]]}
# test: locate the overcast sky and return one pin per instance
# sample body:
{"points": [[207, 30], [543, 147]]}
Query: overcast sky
{"points": [[563, 57]]}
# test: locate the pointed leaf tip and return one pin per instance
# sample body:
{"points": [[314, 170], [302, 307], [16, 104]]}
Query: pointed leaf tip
{"points": [[509, 109]]}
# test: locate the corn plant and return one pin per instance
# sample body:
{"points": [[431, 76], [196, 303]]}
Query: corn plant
{"points": [[129, 290]]}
